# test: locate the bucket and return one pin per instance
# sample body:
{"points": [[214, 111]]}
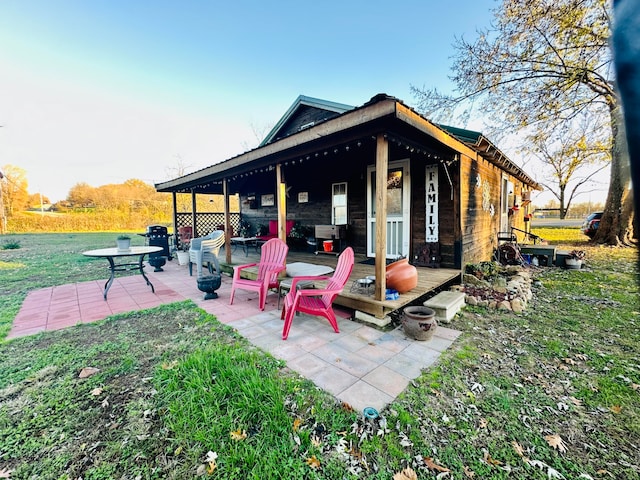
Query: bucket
{"points": [[419, 323], [183, 257], [327, 245]]}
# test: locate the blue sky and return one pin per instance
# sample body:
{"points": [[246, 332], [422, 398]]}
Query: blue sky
{"points": [[100, 91]]}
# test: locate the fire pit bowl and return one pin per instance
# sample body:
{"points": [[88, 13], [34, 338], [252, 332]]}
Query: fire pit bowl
{"points": [[157, 262], [209, 284]]}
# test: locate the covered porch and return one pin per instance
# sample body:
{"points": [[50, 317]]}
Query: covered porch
{"points": [[430, 281]]}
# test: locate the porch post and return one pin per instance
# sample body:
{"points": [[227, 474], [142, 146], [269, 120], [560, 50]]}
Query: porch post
{"points": [[227, 222], [193, 214], [382, 167], [174, 198], [281, 189]]}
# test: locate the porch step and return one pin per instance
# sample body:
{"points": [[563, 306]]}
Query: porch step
{"points": [[446, 305]]}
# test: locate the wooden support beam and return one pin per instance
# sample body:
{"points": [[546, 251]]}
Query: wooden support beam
{"points": [[193, 214], [281, 193], [227, 222], [174, 199], [382, 172]]}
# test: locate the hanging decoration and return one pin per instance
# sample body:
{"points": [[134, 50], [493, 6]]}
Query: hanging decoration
{"points": [[431, 183], [486, 196]]}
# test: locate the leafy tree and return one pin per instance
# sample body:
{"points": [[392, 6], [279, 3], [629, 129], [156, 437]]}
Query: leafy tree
{"points": [[82, 195], [544, 63], [15, 194], [37, 200]]}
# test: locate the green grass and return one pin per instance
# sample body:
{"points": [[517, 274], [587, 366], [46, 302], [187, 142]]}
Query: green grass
{"points": [[174, 384]]}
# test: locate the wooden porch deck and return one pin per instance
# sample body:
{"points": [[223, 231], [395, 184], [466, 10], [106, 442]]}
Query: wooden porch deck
{"points": [[429, 279]]}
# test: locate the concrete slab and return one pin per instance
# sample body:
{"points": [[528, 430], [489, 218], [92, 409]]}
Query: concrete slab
{"points": [[446, 305]]}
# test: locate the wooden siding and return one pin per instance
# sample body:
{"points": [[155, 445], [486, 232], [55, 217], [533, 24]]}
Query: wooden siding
{"points": [[316, 176], [479, 228]]}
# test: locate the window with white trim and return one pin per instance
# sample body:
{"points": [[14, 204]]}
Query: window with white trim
{"points": [[339, 203]]}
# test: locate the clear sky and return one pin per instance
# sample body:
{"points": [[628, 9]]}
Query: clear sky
{"points": [[101, 91]]}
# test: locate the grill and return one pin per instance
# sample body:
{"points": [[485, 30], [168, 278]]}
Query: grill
{"points": [[157, 236]]}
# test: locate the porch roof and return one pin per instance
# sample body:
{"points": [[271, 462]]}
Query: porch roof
{"points": [[381, 114]]}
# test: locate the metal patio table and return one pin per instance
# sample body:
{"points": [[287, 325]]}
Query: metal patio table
{"points": [[111, 253]]}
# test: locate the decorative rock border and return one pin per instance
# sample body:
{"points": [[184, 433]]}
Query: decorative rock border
{"points": [[510, 290]]}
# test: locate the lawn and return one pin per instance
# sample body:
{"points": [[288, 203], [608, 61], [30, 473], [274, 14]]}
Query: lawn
{"points": [[171, 393]]}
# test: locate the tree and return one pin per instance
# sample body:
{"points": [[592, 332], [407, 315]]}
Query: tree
{"points": [[545, 62], [15, 194], [82, 195], [571, 159]]}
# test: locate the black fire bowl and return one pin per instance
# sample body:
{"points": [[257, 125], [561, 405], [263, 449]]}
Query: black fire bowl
{"points": [[157, 262], [209, 284]]}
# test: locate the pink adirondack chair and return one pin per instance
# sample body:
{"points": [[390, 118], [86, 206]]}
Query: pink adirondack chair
{"points": [[272, 262], [317, 302]]}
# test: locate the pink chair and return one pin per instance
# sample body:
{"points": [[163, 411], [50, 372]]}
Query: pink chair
{"points": [[272, 262], [317, 301], [273, 229]]}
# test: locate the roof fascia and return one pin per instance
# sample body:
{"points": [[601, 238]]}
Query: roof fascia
{"points": [[483, 146], [412, 118], [345, 121]]}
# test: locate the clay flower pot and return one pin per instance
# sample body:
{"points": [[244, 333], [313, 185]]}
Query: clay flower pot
{"points": [[419, 323], [401, 276]]}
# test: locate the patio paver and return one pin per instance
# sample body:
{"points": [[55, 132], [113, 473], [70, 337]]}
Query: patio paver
{"points": [[361, 365]]}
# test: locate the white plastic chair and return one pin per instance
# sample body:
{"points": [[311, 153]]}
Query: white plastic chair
{"points": [[205, 250]]}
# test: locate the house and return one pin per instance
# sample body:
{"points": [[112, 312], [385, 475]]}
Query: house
{"points": [[395, 183]]}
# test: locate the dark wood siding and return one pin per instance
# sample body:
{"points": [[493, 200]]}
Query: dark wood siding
{"points": [[467, 231], [479, 228]]}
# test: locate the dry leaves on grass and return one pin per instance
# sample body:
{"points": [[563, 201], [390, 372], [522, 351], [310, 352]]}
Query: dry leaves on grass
{"points": [[313, 462], [87, 372], [556, 442], [96, 392], [519, 450], [169, 365], [296, 424], [489, 460], [551, 472], [434, 466], [468, 472], [238, 435], [406, 474], [210, 464]]}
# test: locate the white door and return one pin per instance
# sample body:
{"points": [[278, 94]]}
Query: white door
{"points": [[398, 209]]}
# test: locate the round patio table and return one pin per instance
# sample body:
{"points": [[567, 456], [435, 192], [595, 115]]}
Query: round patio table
{"points": [[111, 253]]}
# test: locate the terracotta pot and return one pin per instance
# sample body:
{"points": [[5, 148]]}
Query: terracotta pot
{"points": [[401, 276], [419, 323]]}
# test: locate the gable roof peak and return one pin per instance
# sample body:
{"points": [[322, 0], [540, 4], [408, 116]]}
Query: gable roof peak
{"points": [[305, 101]]}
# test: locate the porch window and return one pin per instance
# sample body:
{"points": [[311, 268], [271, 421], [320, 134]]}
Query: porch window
{"points": [[339, 203]]}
